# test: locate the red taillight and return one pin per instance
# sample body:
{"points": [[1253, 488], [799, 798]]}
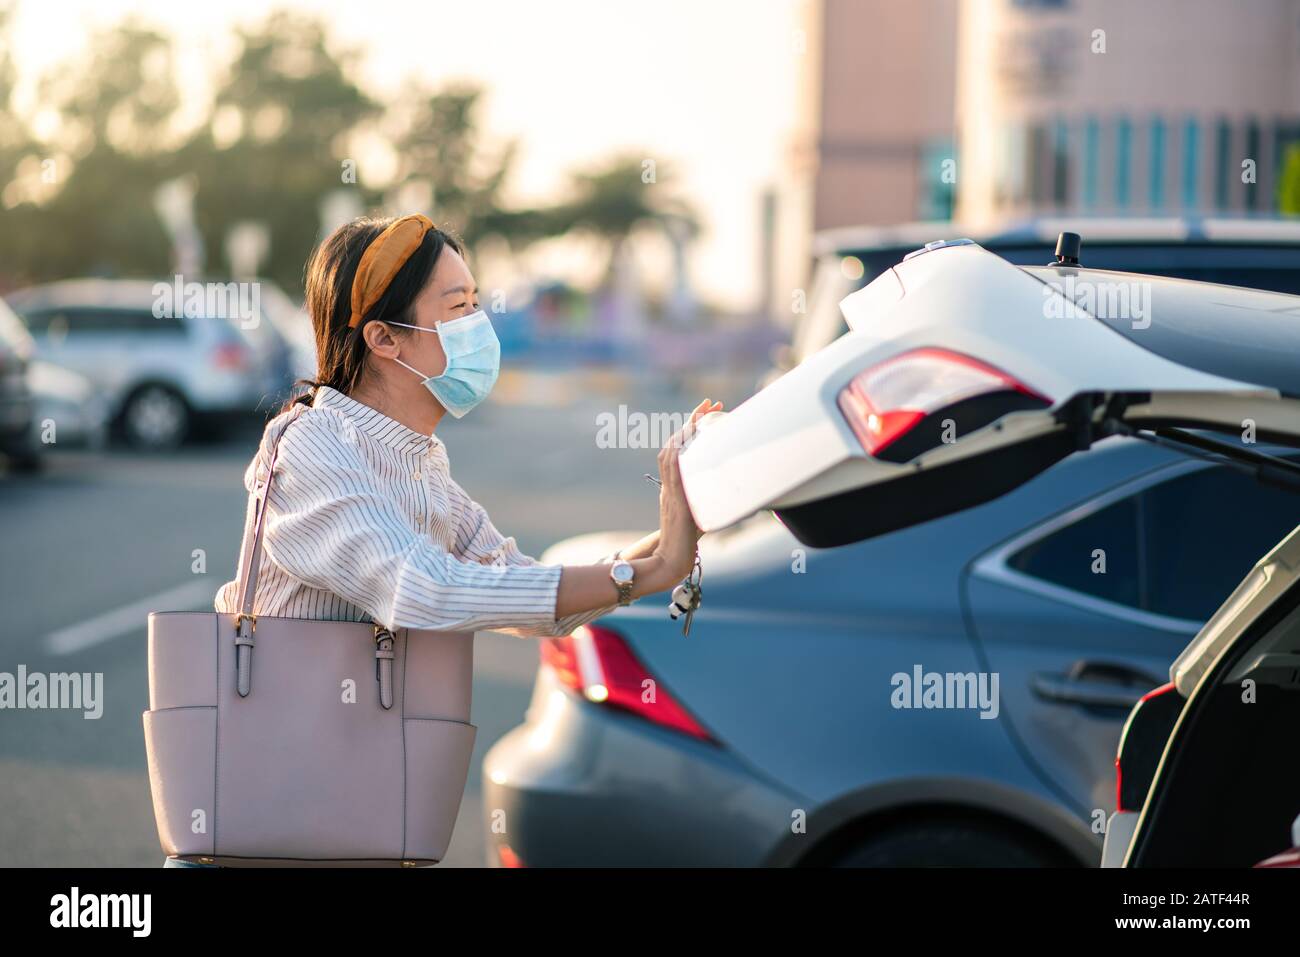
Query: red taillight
{"points": [[887, 401], [508, 857], [1119, 785], [231, 356], [597, 663], [1289, 858], [1119, 771]]}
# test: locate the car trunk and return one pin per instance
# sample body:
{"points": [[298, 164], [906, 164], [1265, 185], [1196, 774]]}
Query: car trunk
{"points": [[1226, 791], [964, 376]]}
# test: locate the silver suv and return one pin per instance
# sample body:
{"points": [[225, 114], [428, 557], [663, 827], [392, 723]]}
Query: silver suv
{"points": [[159, 375]]}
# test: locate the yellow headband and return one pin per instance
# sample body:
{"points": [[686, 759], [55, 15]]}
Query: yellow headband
{"points": [[385, 255]]}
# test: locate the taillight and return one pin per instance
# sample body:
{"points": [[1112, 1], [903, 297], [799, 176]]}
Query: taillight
{"points": [[507, 856], [597, 663], [230, 356], [1142, 742], [888, 401]]}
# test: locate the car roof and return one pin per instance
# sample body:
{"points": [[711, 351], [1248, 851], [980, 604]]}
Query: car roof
{"points": [[93, 292], [109, 293], [1045, 229]]}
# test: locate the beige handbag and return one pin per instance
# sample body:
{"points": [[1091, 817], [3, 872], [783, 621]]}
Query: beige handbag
{"points": [[298, 742]]}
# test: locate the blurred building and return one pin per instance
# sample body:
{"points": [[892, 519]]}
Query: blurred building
{"points": [[984, 109], [1114, 107], [886, 109], [876, 87]]}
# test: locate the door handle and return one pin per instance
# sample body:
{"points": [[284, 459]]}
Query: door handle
{"points": [[1086, 684]]}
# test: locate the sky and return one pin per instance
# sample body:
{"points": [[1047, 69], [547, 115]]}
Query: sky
{"points": [[708, 86]]}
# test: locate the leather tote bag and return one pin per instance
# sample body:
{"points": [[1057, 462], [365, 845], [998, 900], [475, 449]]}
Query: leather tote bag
{"points": [[299, 742]]}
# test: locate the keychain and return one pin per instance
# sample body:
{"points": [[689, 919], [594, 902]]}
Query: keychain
{"points": [[688, 595]]}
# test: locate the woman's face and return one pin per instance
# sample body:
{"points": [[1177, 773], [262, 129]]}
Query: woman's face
{"points": [[450, 294]]}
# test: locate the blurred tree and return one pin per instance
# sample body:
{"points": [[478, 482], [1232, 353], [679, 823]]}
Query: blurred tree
{"points": [[122, 94], [622, 194], [16, 141], [115, 105], [285, 122], [278, 140], [439, 146]]}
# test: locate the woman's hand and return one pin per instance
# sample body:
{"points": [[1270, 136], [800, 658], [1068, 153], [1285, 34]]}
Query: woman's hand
{"points": [[678, 533]]}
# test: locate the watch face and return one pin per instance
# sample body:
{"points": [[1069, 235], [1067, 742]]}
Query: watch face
{"points": [[622, 572]]}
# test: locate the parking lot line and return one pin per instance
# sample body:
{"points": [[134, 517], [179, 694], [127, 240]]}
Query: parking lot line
{"points": [[128, 618]]}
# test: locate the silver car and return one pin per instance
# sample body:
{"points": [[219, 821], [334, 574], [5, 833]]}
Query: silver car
{"points": [[17, 405], [70, 411], [160, 371]]}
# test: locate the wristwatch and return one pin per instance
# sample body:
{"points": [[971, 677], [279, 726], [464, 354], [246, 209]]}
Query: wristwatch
{"points": [[621, 572]]}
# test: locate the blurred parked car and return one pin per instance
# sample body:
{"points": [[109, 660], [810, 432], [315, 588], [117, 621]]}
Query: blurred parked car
{"points": [[18, 442], [160, 375], [69, 403], [1257, 253], [771, 735]]}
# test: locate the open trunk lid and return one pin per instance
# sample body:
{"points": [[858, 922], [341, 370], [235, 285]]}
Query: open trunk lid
{"points": [[963, 376]]}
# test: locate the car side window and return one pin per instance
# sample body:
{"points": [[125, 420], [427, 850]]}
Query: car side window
{"points": [[1204, 532], [137, 320], [1097, 555], [1177, 548], [54, 325]]}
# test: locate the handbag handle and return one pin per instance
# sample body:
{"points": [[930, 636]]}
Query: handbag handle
{"points": [[246, 621], [248, 574]]}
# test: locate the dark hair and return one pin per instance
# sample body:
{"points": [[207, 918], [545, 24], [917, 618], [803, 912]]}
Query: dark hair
{"points": [[340, 351]]}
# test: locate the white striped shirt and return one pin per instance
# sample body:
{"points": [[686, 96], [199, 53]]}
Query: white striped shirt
{"points": [[365, 523]]}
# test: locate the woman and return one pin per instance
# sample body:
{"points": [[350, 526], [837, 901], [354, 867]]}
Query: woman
{"points": [[364, 520]]}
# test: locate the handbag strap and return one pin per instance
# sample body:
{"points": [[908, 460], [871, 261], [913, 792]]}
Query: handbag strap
{"points": [[252, 561], [246, 621]]}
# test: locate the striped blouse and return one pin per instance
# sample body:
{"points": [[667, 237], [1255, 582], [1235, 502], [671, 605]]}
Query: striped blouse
{"points": [[365, 523]]}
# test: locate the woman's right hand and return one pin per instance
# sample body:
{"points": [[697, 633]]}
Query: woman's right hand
{"points": [[678, 533]]}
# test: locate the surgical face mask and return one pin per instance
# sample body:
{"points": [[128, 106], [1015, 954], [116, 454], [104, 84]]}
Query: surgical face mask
{"points": [[473, 360]]}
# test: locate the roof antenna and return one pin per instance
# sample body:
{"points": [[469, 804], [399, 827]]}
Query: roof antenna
{"points": [[1067, 249]]}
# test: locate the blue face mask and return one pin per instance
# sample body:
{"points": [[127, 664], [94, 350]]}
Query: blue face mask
{"points": [[473, 360]]}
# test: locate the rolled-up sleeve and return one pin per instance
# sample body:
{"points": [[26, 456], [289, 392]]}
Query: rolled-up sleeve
{"points": [[478, 540], [330, 525]]}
